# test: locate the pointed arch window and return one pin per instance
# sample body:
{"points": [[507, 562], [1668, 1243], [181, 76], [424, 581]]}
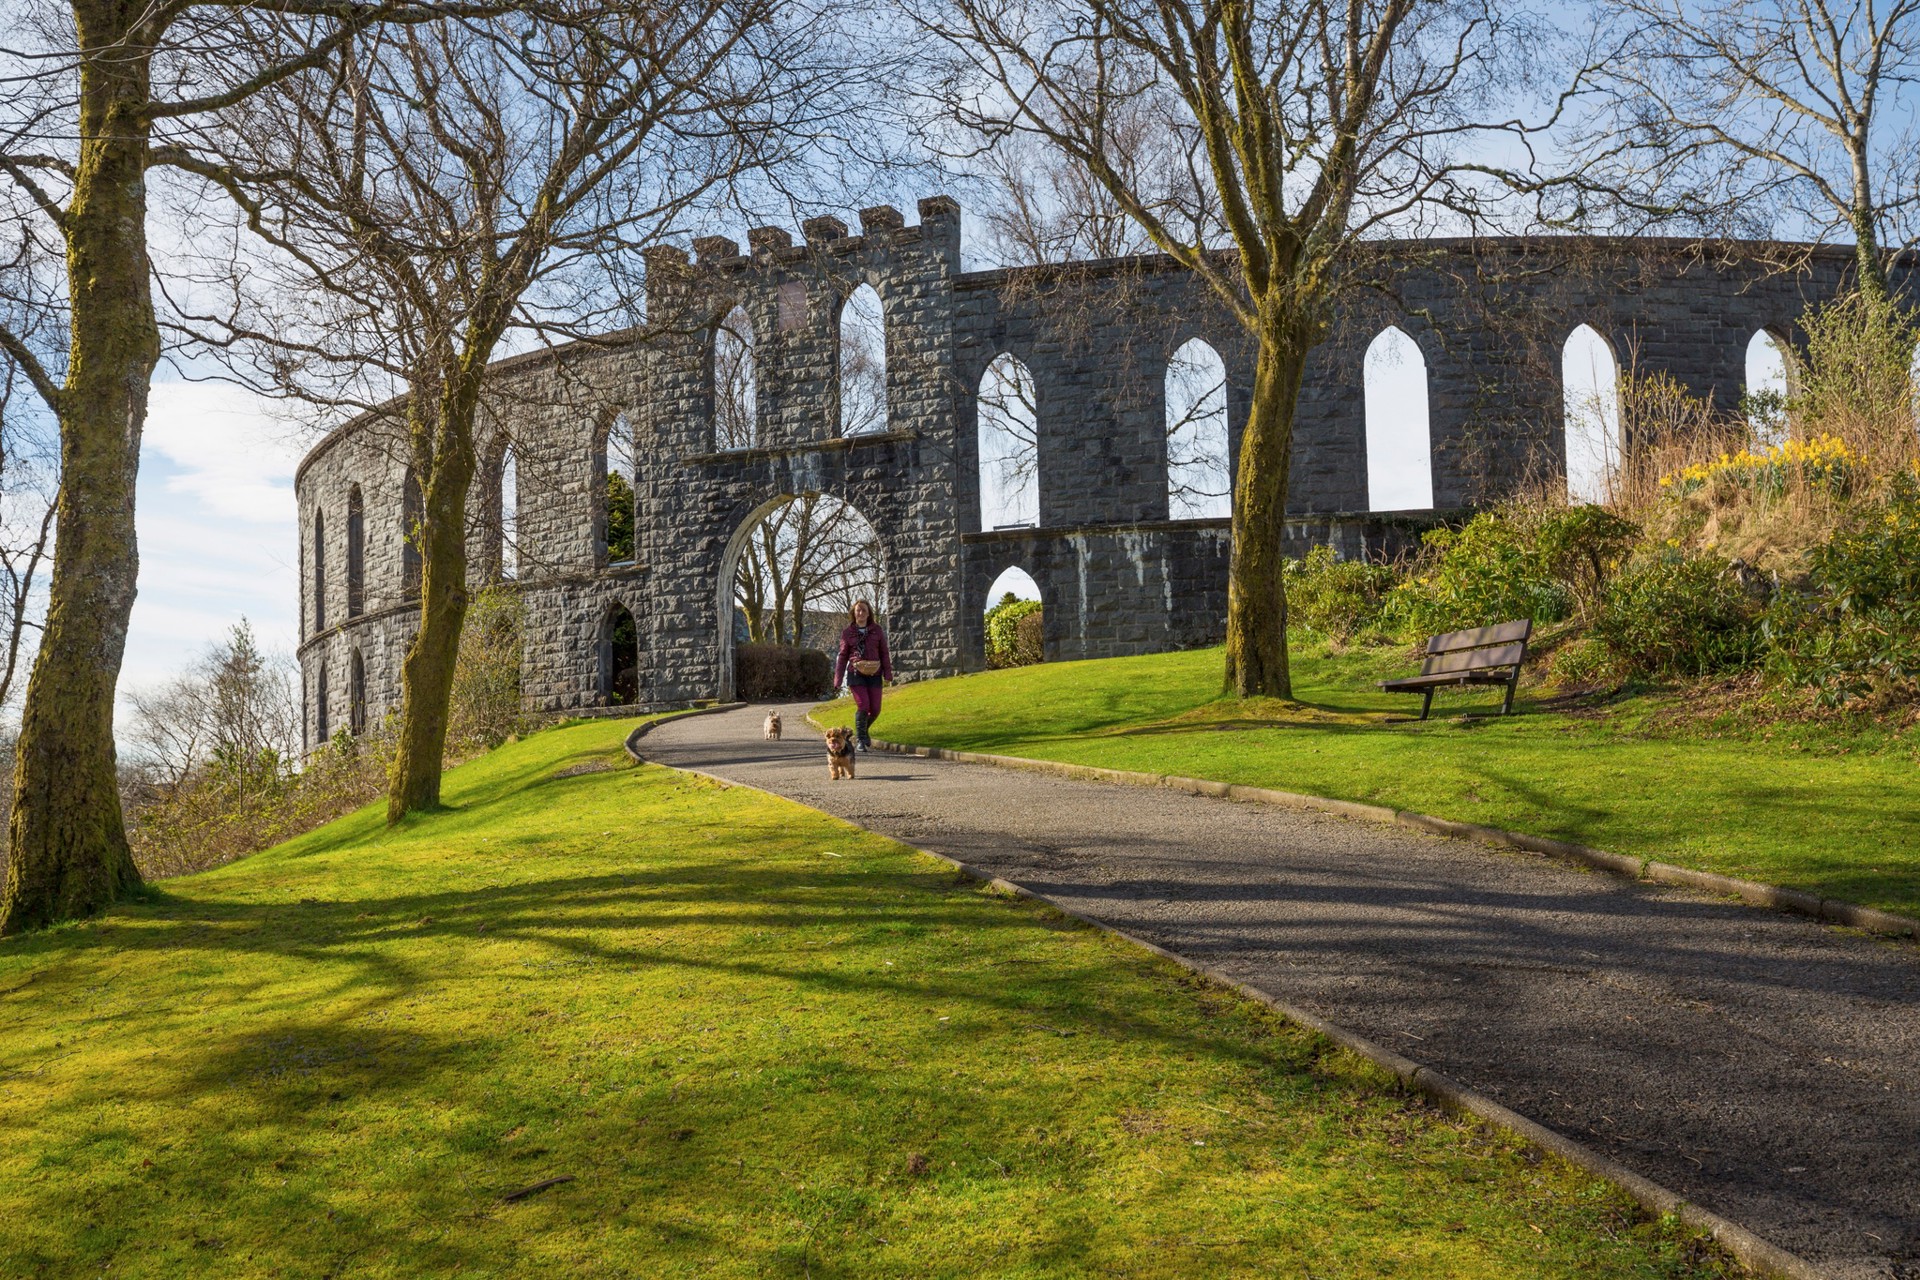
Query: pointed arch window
{"points": [[736, 394], [319, 572], [619, 658], [1768, 382], [356, 694], [1399, 437], [320, 731], [1199, 481], [621, 493], [506, 516], [863, 363], [1009, 446], [413, 508], [1590, 382], [356, 553]]}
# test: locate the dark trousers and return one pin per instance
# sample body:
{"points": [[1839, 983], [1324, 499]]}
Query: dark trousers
{"points": [[866, 701]]}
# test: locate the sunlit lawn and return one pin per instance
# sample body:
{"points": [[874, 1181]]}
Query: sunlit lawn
{"points": [[1830, 811], [759, 1042]]}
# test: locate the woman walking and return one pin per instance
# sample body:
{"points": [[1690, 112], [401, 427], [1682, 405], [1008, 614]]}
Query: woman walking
{"points": [[865, 665]]}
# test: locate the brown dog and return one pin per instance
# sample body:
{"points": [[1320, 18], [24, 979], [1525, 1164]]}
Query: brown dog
{"points": [[773, 726], [839, 754]]}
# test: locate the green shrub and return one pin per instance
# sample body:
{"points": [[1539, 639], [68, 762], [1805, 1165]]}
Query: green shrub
{"points": [[1584, 547], [1490, 570], [485, 703], [1585, 663], [1335, 598], [1679, 614], [1015, 633], [620, 544], [1855, 625], [781, 673]]}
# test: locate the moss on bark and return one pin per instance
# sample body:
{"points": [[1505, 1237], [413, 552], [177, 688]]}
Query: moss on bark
{"points": [[1256, 585], [444, 458], [68, 854]]}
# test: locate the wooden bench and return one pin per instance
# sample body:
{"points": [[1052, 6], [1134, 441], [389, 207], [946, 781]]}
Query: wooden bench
{"points": [[1484, 655]]}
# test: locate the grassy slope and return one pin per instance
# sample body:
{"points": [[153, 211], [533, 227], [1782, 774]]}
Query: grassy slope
{"points": [[763, 1042], [1798, 806]]}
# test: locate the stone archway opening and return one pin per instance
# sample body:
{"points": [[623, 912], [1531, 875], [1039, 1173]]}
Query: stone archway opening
{"points": [[1014, 620], [1768, 385], [791, 573], [619, 658]]}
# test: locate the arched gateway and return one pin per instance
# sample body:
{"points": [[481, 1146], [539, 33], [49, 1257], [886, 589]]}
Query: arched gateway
{"points": [[1120, 572]]}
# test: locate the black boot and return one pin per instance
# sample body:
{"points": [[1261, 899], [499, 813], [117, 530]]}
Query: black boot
{"points": [[860, 730]]}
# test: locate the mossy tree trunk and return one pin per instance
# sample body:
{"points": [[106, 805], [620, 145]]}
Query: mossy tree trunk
{"points": [[68, 853], [1257, 663], [444, 458]]}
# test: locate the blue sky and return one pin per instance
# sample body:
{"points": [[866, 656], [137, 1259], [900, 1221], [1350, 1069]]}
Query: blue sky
{"points": [[217, 528]]}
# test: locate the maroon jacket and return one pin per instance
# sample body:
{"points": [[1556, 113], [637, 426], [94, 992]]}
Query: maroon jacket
{"points": [[852, 651]]}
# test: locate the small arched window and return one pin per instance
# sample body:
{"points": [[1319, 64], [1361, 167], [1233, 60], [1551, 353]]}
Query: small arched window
{"points": [[736, 396], [1009, 446], [319, 572], [1016, 635], [619, 658], [320, 731], [506, 516], [1767, 385], [1399, 440], [621, 496], [1590, 382], [356, 694], [1199, 480], [413, 508], [356, 554], [863, 363]]}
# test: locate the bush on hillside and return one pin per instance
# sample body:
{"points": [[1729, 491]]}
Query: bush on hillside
{"points": [[215, 769], [485, 709], [1856, 382], [1015, 633], [1489, 570], [230, 808], [1853, 628], [1583, 663], [1338, 599], [1678, 613], [781, 673], [1583, 547]]}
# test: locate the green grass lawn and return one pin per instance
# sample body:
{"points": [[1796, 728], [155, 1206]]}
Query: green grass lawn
{"points": [[1830, 811], [760, 1042]]}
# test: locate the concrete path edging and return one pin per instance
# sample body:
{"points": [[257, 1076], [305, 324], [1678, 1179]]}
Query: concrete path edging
{"points": [[1757, 1255], [1752, 892]]}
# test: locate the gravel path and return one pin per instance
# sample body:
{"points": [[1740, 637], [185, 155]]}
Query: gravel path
{"points": [[1763, 1065]]}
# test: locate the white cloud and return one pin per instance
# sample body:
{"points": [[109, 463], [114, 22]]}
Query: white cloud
{"points": [[230, 449], [219, 538]]}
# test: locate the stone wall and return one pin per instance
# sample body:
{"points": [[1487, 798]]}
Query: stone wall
{"points": [[1117, 575]]}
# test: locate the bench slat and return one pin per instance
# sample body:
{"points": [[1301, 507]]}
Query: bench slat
{"points": [[1446, 678], [1481, 637], [1505, 655]]}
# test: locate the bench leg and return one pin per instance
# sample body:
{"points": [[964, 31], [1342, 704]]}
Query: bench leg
{"points": [[1506, 708], [1426, 704]]}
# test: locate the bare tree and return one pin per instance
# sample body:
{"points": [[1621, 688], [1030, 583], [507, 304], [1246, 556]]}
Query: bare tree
{"points": [[92, 94], [235, 709], [430, 191], [29, 490], [812, 550], [1043, 206], [1731, 114], [1319, 125]]}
